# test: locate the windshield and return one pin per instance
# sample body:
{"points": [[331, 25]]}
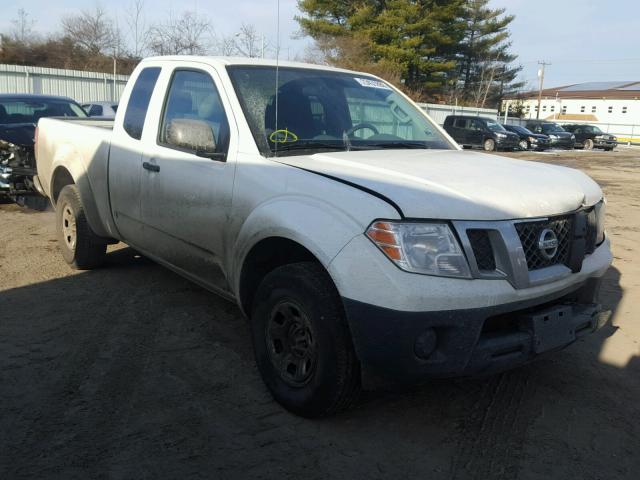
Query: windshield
{"points": [[592, 129], [495, 126], [25, 110], [319, 110], [552, 128], [521, 130]]}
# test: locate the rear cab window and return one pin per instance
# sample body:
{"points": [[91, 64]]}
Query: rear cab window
{"points": [[138, 104]]}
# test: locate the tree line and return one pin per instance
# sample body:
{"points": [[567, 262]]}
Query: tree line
{"points": [[92, 39], [452, 51]]}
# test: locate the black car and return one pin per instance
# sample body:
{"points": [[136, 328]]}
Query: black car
{"points": [[19, 115], [470, 131], [590, 137], [558, 137], [528, 139]]}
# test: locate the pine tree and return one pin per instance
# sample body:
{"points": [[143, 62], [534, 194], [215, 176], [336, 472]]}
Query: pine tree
{"points": [[407, 40], [485, 71]]}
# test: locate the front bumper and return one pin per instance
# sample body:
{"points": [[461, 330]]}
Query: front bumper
{"points": [[404, 347], [602, 143], [540, 145], [509, 142], [562, 143]]}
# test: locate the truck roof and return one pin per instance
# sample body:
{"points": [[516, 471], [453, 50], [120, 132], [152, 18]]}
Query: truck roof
{"points": [[225, 61]]}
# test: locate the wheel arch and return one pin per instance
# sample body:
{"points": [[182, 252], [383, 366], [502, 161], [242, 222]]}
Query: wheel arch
{"points": [[63, 176], [265, 256]]}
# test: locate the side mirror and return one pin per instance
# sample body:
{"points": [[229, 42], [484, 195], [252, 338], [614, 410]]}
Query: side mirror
{"points": [[193, 135]]}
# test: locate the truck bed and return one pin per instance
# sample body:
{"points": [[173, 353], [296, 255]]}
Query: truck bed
{"points": [[80, 144]]}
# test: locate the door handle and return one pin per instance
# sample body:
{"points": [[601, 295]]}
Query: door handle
{"points": [[151, 167]]}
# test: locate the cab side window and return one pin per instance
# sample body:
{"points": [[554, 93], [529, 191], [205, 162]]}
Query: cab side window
{"points": [[193, 99], [139, 101], [95, 111]]}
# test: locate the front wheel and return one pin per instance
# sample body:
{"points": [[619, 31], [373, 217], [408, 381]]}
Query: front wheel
{"points": [[588, 144], [80, 246], [523, 145], [489, 145], [302, 343]]}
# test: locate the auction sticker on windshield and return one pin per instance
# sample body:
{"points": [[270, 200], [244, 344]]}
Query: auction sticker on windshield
{"points": [[371, 83]]}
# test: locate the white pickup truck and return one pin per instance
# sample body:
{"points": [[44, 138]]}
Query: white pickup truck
{"points": [[361, 242]]}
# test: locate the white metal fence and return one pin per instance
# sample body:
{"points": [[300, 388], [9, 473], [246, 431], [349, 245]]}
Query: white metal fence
{"points": [[439, 112], [75, 84]]}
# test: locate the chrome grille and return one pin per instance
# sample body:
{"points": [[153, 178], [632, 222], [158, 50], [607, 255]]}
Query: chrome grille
{"points": [[529, 233]]}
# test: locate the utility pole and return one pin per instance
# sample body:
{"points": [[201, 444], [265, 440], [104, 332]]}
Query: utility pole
{"points": [[541, 75]]}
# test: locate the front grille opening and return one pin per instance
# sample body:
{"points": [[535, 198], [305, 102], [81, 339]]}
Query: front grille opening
{"points": [[529, 233], [482, 249], [505, 323]]}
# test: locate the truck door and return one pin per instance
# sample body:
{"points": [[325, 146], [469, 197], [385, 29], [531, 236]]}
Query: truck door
{"points": [[186, 195], [125, 156]]}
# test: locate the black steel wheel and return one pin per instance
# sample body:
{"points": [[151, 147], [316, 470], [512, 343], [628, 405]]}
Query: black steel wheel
{"points": [[291, 343], [302, 341]]}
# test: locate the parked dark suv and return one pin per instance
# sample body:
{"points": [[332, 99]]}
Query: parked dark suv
{"points": [[590, 137], [528, 139], [483, 132], [558, 136]]}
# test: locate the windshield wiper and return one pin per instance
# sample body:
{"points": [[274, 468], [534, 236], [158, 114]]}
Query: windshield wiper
{"points": [[307, 145], [418, 145]]}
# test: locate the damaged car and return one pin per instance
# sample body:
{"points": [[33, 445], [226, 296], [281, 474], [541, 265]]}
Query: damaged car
{"points": [[19, 115]]}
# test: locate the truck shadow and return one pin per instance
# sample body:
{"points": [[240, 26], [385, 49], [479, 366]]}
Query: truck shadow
{"points": [[131, 371]]}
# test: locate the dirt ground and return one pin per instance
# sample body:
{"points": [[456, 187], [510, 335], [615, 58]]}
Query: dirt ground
{"points": [[132, 372]]}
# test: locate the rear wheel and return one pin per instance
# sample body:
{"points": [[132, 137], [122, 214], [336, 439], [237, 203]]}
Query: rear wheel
{"points": [[523, 145], [489, 145], [302, 342], [588, 144], [80, 246]]}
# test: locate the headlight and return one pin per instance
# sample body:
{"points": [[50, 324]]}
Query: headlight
{"points": [[427, 248], [600, 211], [573, 137], [554, 137], [501, 135], [533, 139]]}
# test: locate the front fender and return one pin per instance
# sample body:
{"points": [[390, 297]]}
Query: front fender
{"points": [[318, 226]]}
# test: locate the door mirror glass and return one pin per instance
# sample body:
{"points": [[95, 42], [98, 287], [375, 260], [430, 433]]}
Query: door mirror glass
{"points": [[193, 135]]}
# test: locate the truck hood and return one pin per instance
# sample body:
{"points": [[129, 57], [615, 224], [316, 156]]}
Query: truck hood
{"points": [[458, 185]]}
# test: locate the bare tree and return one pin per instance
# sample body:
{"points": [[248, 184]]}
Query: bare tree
{"points": [[92, 30], [22, 30], [226, 46], [137, 27], [248, 42], [188, 34]]}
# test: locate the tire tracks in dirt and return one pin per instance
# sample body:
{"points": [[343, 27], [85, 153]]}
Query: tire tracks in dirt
{"points": [[493, 434]]}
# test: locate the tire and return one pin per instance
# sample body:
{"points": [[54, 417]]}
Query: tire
{"points": [[81, 248], [489, 145], [588, 144], [302, 342], [524, 145]]}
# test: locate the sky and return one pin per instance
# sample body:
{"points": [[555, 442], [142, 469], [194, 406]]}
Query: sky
{"points": [[584, 40]]}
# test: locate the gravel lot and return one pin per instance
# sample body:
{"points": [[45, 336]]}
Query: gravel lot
{"points": [[132, 372]]}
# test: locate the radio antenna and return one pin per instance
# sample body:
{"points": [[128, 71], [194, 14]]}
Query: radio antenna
{"points": [[277, 72]]}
